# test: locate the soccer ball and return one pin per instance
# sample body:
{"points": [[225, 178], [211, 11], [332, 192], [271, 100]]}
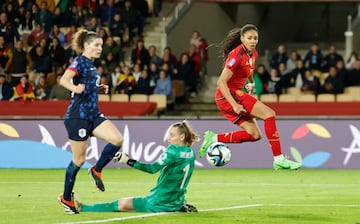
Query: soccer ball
{"points": [[218, 154]]}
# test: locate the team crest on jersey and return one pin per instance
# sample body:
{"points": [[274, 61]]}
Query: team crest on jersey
{"points": [[82, 132], [73, 64], [231, 62]]}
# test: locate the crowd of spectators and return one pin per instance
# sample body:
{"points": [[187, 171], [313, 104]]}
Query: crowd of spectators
{"points": [[35, 49], [314, 72]]}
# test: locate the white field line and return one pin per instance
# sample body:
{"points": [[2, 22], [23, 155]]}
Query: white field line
{"points": [[158, 214]]}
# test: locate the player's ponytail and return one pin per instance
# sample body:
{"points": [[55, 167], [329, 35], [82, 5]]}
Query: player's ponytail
{"points": [[185, 128], [80, 37]]}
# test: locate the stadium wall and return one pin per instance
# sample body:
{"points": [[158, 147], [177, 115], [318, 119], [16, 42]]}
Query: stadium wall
{"points": [[318, 143]]}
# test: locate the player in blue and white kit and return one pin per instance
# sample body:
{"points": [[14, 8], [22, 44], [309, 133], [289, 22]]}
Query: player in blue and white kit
{"points": [[83, 118], [175, 164]]}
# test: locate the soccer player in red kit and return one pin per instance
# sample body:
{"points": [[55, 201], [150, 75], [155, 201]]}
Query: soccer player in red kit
{"points": [[239, 107]]}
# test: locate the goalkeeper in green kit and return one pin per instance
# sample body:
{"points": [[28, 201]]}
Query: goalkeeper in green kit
{"points": [[175, 164]]}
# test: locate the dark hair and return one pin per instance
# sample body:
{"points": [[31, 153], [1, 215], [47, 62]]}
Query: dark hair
{"points": [[232, 39]]}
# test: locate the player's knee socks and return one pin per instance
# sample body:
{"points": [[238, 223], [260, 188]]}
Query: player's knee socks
{"points": [[106, 156], [272, 135], [70, 176], [235, 137], [101, 207]]}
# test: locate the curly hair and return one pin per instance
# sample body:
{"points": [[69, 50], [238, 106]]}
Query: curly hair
{"points": [[232, 39]]}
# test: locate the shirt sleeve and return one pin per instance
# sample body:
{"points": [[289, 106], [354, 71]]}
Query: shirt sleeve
{"points": [[164, 160]]}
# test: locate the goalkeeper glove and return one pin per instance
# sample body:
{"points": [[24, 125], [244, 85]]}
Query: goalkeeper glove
{"points": [[121, 157]]}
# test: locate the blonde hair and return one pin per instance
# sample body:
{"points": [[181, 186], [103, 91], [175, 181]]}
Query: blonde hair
{"points": [[185, 128], [81, 37]]}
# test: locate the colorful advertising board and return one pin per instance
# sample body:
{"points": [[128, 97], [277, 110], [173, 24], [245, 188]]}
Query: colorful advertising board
{"points": [[333, 144]]}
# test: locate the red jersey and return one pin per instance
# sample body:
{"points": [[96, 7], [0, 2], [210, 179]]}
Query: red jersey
{"points": [[242, 66]]}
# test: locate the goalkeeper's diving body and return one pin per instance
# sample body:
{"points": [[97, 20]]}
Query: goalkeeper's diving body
{"points": [[175, 164]]}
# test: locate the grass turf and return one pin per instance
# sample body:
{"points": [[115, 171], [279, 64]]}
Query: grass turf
{"points": [[221, 195]]}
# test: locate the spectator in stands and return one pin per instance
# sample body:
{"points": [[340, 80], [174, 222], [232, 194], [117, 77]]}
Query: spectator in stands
{"points": [[353, 77], [185, 72], [50, 4], [333, 83], [109, 63], [172, 58], [104, 79], [26, 25], [129, 16], [166, 60], [264, 76], [72, 17], [117, 27], [58, 92], [58, 17], [314, 58], [126, 82], [103, 33], [5, 54], [331, 58], [144, 84], [168, 70], [42, 90], [94, 25], [279, 57], [85, 17], [20, 63], [163, 85], [341, 70], [44, 17], [142, 9], [273, 85], [111, 46], [69, 35], [296, 77], [154, 58], [8, 30], [282, 70], [115, 75], [154, 71], [136, 71], [140, 55], [350, 63], [195, 39], [291, 62], [36, 35], [157, 4], [12, 13], [311, 83], [108, 11], [6, 90], [57, 53], [41, 64], [196, 58], [58, 34], [204, 55], [4, 4], [24, 90]]}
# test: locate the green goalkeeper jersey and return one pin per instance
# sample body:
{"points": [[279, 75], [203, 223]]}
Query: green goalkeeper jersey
{"points": [[176, 165]]}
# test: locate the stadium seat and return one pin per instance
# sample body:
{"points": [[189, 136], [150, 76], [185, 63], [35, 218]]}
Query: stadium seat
{"points": [[354, 90], [287, 98], [160, 100], [269, 98], [179, 87], [120, 97], [104, 97], [326, 97], [138, 98], [306, 97], [345, 97], [293, 91]]}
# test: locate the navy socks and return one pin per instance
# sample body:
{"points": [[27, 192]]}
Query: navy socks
{"points": [[106, 156]]}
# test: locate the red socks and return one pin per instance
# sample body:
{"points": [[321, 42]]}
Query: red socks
{"points": [[272, 135], [235, 137]]}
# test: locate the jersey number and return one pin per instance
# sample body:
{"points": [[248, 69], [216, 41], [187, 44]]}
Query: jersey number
{"points": [[186, 171]]}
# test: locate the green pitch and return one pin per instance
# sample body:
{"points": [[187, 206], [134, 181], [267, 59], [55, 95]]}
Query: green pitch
{"points": [[221, 195]]}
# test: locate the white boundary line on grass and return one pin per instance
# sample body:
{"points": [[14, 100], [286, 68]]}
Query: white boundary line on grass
{"points": [[161, 213]]}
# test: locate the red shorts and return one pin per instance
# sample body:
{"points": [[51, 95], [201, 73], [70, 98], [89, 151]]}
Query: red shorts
{"points": [[246, 100]]}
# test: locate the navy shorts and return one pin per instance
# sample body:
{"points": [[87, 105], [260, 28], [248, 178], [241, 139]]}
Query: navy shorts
{"points": [[81, 129]]}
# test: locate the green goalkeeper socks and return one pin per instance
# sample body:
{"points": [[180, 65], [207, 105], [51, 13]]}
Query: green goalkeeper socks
{"points": [[101, 207]]}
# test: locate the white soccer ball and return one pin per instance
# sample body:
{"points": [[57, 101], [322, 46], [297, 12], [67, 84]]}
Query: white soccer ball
{"points": [[218, 154]]}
